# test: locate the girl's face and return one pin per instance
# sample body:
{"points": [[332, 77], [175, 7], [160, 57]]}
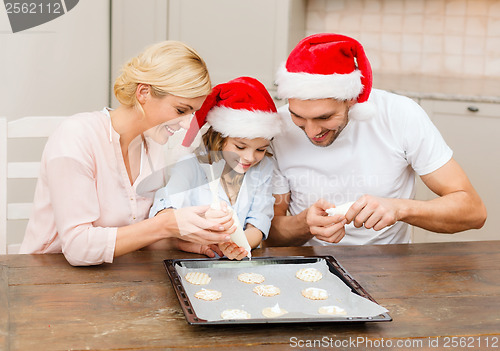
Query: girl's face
{"points": [[241, 154], [167, 114]]}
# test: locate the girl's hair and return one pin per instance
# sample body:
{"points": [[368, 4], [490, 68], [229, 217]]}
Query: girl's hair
{"points": [[214, 142], [169, 67]]}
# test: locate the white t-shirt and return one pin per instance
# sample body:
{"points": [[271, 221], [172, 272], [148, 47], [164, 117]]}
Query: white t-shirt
{"points": [[378, 156]]}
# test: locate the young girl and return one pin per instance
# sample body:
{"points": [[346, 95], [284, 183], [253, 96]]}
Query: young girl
{"points": [[86, 202], [243, 119]]}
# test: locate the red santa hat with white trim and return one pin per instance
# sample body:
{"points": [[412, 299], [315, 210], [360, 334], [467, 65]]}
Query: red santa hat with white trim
{"points": [[328, 66], [240, 108]]}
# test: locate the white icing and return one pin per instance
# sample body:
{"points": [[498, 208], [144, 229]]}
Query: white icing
{"points": [[317, 293], [209, 294], [235, 314], [266, 290], [276, 309], [252, 278], [198, 278], [332, 310], [309, 274]]}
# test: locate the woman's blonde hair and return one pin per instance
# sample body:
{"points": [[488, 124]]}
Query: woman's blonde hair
{"points": [[169, 67]]}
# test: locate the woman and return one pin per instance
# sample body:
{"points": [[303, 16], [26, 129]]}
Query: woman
{"points": [[86, 204]]}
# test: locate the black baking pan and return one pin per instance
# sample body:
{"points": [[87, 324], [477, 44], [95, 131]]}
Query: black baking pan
{"points": [[334, 268]]}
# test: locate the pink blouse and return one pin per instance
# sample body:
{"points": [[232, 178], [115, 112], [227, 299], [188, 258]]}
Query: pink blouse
{"points": [[83, 193]]}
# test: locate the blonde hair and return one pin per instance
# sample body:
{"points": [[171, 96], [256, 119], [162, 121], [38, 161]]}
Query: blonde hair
{"points": [[169, 67], [214, 142]]}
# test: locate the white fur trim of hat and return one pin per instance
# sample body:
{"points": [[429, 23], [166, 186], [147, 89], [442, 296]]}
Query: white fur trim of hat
{"points": [[247, 124], [307, 86]]}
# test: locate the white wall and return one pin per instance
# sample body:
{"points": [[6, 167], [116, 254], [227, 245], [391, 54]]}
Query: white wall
{"points": [[58, 68], [134, 26]]}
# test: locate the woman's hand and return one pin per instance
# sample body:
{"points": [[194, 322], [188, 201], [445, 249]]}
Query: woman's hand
{"points": [[190, 224], [213, 214], [233, 251]]}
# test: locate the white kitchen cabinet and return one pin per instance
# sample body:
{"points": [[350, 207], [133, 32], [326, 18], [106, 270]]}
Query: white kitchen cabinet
{"points": [[58, 68], [471, 129], [239, 37], [129, 38]]}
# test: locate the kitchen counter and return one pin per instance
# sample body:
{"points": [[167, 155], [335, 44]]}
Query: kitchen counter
{"points": [[440, 88]]}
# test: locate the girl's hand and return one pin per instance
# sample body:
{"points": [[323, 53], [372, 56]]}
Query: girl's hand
{"points": [[233, 251]]}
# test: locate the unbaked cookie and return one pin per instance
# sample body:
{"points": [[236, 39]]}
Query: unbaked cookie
{"points": [[333, 310], [235, 314], [198, 278], [309, 274], [315, 294], [266, 290], [251, 278], [273, 312], [208, 295]]}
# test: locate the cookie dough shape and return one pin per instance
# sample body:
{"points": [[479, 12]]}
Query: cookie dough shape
{"points": [[332, 310], [198, 278], [235, 314], [274, 312], [251, 278], [309, 274], [208, 295], [266, 290], [315, 293]]}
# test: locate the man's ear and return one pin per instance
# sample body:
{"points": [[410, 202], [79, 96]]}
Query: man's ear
{"points": [[142, 92], [352, 102]]}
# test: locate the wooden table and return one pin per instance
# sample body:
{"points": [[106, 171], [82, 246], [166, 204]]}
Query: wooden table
{"points": [[442, 294]]}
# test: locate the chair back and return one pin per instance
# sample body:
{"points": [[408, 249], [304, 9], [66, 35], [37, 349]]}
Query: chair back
{"points": [[26, 128]]}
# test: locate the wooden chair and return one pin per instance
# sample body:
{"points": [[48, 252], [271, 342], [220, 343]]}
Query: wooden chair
{"points": [[27, 127]]}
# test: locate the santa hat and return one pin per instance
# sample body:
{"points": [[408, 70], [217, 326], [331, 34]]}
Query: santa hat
{"points": [[240, 108], [328, 66]]}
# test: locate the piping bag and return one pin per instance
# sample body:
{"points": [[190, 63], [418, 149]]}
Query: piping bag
{"points": [[214, 172], [341, 209]]}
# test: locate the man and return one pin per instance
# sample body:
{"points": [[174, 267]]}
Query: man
{"points": [[344, 142]]}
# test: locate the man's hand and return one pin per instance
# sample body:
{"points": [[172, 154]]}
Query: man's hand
{"points": [[329, 229], [373, 212]]}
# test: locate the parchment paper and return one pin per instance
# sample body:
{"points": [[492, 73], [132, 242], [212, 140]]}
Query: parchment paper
{"points": [[239, 295]]}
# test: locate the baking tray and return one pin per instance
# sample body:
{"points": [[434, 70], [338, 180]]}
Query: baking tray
{"points": [[333, 267]]}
